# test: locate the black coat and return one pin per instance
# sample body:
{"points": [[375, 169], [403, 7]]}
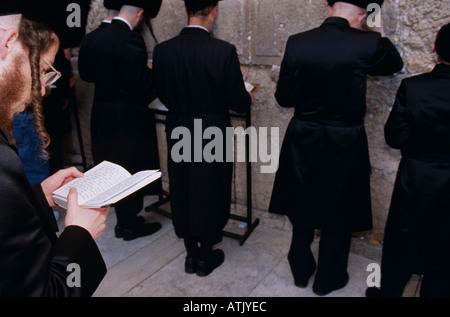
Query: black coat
{"points": [[417, 236], [199, 77], [86, 64], [33, 260], [123, 128], [323, 180]]}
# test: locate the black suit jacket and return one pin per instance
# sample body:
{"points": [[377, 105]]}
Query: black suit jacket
{"points": [[123, 128], [117, 60], [199, 77], [323, 180], [33, 260], [86, 65], [417, 235]]}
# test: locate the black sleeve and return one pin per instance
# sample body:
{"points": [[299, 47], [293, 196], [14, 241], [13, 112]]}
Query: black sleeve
{"points": [[75, 246], [398, 126], [136, 75], [286, 82], [387, 59], [33, 259]]}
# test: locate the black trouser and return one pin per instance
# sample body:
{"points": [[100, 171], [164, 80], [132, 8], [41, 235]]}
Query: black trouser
{"points": [[198, 248], [334, 250], [127, 210]]}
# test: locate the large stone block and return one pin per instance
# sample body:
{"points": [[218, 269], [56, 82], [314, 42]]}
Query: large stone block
{"points": [[419, 22], [274, 21]]}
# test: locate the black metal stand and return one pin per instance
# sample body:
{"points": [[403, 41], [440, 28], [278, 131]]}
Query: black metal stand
{"points": [[250, 224]]}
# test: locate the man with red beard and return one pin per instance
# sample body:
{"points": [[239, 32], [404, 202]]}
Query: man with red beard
{"points": [[34, 261]]}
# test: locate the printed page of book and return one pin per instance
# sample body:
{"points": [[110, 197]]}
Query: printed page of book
{"points": [[123, 189], [95, 181]]}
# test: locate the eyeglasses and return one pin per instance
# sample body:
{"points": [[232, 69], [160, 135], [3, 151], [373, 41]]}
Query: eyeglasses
{"points": [[51, 76]]}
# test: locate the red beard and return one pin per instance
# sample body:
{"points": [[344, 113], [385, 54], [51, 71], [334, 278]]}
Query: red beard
{"points": [[12, 85]]}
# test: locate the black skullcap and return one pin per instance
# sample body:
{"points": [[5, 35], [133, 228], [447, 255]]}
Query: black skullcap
{"points": [[197, 5], [151, 7], [359, 3], [113, 4], [56, 14], [442, 43]]}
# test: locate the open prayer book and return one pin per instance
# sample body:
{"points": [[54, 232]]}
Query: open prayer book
{"points": [[104, 185]]}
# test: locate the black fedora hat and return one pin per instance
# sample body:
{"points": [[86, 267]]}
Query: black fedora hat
{"points": [[151, 7], [58, 16], [197, 5], [113, 4]]}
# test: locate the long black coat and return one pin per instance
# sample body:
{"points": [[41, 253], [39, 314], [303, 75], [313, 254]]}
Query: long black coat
{"points": [[123, 128], [33, 260], [417, 235], [199, 77], [86, 64], [323, 180]]}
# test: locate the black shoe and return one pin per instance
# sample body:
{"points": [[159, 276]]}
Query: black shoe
{"points": [[141, 230], [298, 269], [323, 292], [206, 266], [190, 265], [118, 230], [373, 292]]}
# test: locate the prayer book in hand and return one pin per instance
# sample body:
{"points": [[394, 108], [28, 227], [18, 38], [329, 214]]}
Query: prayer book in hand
{"points": [[104, 185]]}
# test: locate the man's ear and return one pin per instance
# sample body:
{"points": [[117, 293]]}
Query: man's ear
{"points": [[7, 39], [361, 18], [433, 49], [214, 11]]}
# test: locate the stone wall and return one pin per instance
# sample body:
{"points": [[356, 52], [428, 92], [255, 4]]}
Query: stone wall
{"points": [[259, 29]]}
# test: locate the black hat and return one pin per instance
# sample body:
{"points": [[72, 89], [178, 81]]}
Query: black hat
{"points": [[10, 7], [151, 7], [359, 3], [442, 44], [112, 4], [197, 5], [57, 14]]}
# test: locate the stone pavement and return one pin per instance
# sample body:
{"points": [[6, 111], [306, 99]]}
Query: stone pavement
{"points": [[153, 266]]}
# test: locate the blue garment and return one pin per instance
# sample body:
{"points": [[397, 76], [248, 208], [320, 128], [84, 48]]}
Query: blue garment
{"points": [[28, 143]]}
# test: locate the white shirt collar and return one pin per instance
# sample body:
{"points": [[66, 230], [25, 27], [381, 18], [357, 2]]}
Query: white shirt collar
{"points": [[125, 21], [197, 26]]}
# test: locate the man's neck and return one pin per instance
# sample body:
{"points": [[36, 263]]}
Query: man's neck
{"points": [[124, 20], [349, 20], [111, 15], [197, 22]]}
